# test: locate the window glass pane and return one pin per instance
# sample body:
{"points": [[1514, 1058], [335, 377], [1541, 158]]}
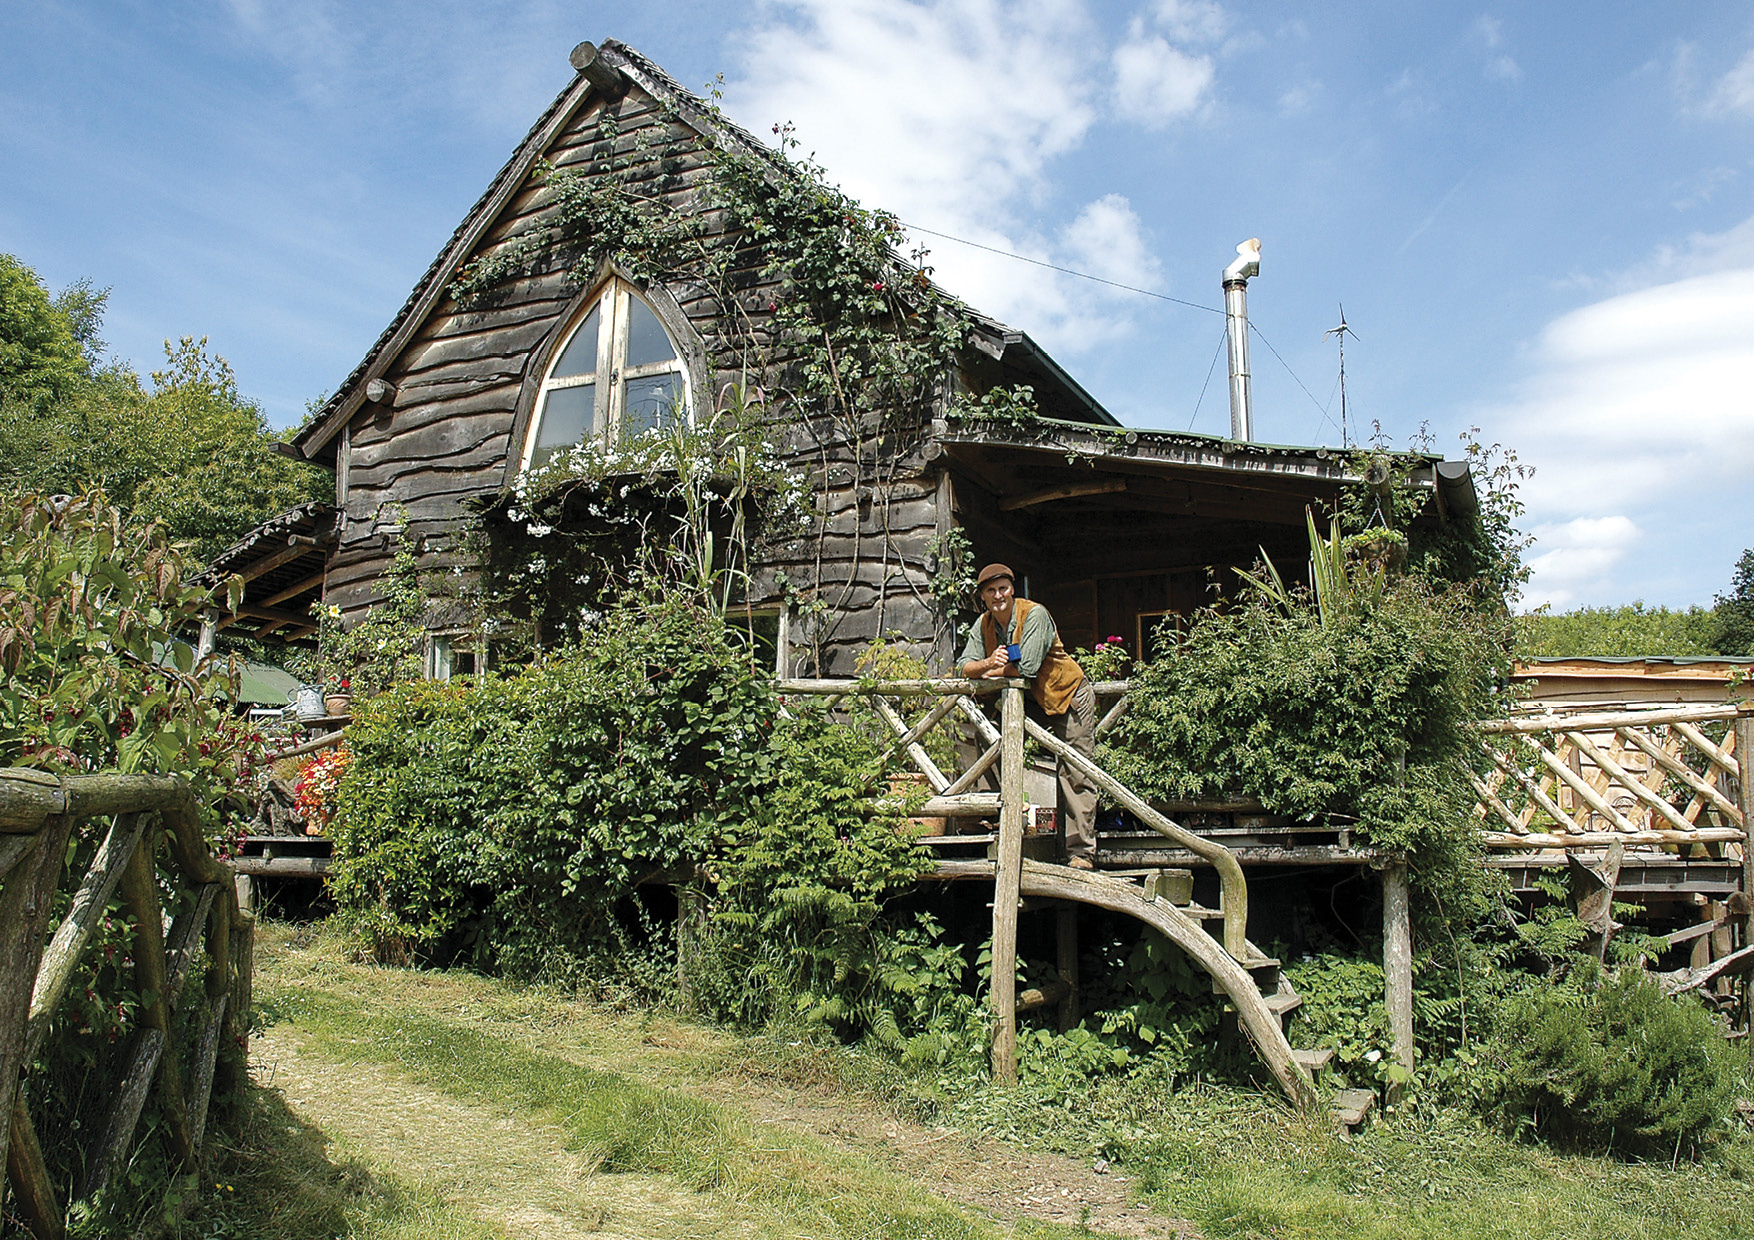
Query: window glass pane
{"points": [[580, 357], [566, 419], [651, 402], [646, 341]]}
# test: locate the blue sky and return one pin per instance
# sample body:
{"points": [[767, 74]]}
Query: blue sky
{"points": [[1539, 222]]}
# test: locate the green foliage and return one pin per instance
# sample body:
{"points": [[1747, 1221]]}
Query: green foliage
{"points": [[1632, 631], [1010, 410], [384, 648], [188, 451], [1611, 1063], [1365, 716], [40, 355], [685, 504], [506, 817], [1733, 632], [93, 610]]}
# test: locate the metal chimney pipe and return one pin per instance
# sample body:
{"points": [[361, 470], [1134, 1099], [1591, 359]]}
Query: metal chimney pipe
{"points": [[1236, 329]]}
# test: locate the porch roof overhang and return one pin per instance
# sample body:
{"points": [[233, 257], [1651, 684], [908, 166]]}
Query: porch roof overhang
{"points": [[1089, 493], [282, 562]]}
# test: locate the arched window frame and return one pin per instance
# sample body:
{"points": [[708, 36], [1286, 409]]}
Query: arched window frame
{"points": [[614, 301]]}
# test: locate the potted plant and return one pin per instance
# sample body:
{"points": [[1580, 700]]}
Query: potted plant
{"points": [[337, 695]]}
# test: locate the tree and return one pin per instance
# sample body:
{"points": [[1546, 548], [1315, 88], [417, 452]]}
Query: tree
{"points": [[1735, 610], [40, 356], [185, 449], [1633, 631]]}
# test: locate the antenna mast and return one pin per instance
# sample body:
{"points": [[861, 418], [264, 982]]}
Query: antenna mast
{"points": [[1342, 332]]}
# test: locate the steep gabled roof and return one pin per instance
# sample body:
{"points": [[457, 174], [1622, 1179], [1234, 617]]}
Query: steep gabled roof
{"points": [[1015, 350]]}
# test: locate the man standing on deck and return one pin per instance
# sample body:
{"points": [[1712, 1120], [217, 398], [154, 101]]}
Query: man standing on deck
{"points": [[1015, 637]]}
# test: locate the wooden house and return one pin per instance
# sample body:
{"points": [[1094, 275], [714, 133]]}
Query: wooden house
{"points": [[1113, 528]]}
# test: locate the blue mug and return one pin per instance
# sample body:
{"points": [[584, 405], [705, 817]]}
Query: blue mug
{"points": [[1014, 652]]}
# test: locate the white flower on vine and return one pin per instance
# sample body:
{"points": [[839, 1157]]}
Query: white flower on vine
{"points": [[538, 530]]}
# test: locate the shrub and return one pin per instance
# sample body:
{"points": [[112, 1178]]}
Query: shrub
{"points": [[508, 821], [1360, 710], [1611, 1063]]}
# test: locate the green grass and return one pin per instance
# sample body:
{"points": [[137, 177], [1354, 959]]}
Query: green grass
{"points": [[1235, 1163], [1241, 1164], [275, 1178], [795, 1183]]}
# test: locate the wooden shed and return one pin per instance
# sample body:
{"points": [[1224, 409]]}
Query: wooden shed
{"points": [[1112, 528]]}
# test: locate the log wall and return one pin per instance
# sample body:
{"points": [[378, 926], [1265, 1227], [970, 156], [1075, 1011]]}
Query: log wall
{"points": [[445, 433]]}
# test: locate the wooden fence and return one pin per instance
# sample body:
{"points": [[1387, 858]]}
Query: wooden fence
{"points": [[1638, 778], [38, 813]]}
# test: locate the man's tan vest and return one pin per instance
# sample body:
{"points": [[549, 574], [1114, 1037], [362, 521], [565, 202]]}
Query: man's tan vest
{"points": [[1059, 674]]}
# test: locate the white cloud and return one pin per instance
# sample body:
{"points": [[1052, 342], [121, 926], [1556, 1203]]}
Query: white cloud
{"points": [[1574, 556], [1503, 68], [1735, 90], [1155, 82], [951, 113], [1639, 414], [1190, 21]]}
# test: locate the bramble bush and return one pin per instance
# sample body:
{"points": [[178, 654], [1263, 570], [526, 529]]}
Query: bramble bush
{"points": [[506, 821]]}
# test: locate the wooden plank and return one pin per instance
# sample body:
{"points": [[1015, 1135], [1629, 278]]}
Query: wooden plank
{"points": [[1397, 955], [26, 905], [1006, 887], [909, 742], [181, 945], [1681, 771], [1076, 490], [1744, 738], [32, 1187], [979, 767], [118, 1131], [201, 1078], [61, 956], [1581, 787], [1629, 781], [139, 891], [13, 849], [1598, 839], [1489, 799], [1601, 720], [1720, 757]]}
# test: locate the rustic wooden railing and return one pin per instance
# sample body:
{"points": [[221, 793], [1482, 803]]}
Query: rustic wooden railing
{"points": [[1587, 779], [38, 812], [1005, 747]]}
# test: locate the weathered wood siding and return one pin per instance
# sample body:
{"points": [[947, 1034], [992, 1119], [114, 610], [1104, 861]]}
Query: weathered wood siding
{"points": [[446, 433]]}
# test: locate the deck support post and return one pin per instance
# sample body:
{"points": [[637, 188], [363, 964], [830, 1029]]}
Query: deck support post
{"points": [[690, 927], [1397, 964], [1007, 884], [1066, 951], [1744, 730]]}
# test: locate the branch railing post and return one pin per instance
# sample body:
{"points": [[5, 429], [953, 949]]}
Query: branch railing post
{"points": [[42, 808], [1007, 884], [1745, 802]]}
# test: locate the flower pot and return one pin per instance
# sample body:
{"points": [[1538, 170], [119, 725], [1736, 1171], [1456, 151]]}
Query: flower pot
{"points": [[338, 703]]}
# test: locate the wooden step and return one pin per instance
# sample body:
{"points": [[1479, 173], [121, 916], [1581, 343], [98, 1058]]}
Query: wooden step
{"points": [[950, 841], [1283, 1002], [1350, 1106], [1314, 1061]]}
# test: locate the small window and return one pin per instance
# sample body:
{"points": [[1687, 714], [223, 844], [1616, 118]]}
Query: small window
{"points": [[618, 375]]}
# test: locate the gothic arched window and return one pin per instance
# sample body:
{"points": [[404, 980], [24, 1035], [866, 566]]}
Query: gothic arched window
{"points": [[618, 375]]}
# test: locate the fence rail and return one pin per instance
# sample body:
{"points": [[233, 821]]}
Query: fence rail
{"points": [[1641, 778], [38, 812]]}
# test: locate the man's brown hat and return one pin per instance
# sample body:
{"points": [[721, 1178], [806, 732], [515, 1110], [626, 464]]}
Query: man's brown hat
{"points": [[991, 572]]}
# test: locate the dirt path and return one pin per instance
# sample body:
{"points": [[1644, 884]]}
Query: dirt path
{"points": [[515, 1172]]}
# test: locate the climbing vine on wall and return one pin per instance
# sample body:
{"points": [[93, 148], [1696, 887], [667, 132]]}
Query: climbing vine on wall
{"points": [[842, 346]]}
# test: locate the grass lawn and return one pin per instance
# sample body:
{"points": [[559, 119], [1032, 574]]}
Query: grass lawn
{"points": [[393, 1102]]}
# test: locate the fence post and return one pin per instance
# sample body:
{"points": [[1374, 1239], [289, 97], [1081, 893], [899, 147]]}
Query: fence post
{"points": [[1745, 802], [1007, 885]]}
